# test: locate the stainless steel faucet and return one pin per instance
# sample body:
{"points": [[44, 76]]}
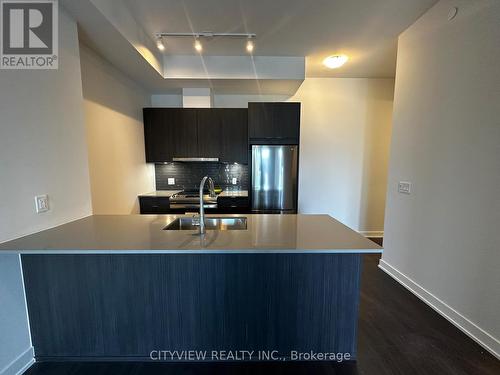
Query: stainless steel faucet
{"points": [[202, 209]]}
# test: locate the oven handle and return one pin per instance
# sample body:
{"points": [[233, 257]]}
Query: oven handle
{"points": [[196, 206]]}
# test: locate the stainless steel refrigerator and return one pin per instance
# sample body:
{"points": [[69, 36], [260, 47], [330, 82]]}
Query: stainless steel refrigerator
{"points": [[274, 179]]}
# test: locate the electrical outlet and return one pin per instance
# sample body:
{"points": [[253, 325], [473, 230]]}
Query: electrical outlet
{"points": [[235, 180], [171, 181], [404, 187], [41, 203]]}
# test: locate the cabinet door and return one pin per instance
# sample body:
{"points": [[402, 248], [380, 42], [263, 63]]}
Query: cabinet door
{"points": [[260, 120], [154, 205], [230, 205], [209, 132], [274, 123], [157, 134], [234, 131], [169, 133], [286, 120], [183, 138]]}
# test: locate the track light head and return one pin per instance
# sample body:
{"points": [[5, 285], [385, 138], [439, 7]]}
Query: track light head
{"points": [[250, 46], [159, 43], [197, 45]]}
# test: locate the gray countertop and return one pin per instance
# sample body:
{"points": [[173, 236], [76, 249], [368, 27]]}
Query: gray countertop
{"points": [[160, 193], [143, 233]]}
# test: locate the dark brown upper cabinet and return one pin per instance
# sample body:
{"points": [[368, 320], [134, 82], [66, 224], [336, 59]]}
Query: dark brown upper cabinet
{"points": [[209, 133], [234, 134], [196, 133], [274, 123], [169, 133]]}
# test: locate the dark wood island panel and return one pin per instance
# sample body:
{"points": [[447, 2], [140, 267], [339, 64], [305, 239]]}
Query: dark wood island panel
{"points": [[118, 306]]}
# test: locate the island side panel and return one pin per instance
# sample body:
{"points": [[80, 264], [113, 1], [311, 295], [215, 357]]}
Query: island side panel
{"points": [[117, 306]]}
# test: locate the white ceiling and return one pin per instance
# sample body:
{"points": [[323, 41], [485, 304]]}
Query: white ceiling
{"points": [[365, 30], [290, 34]]}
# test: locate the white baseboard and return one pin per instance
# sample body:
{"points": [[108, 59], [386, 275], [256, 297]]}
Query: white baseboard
{"points": [[20, 364], [472, 330], [372, 233]]}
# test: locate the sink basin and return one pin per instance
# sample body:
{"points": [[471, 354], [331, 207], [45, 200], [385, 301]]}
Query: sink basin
{"points": [[211, 223]]}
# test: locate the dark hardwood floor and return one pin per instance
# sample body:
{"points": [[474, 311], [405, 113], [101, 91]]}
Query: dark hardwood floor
{"points": [[398, 335]]}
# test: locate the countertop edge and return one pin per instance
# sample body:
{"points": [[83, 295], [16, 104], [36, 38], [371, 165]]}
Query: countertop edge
{"points": [[200, 251]]}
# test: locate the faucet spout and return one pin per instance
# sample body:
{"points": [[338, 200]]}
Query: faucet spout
{"points": [[202, 208]]}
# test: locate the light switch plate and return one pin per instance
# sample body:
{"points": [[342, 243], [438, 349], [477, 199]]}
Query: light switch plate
{"points": [[41, 203], [404, 187], [171, 181], [235, 180]]}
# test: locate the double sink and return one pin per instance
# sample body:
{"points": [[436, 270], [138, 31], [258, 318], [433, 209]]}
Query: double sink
{"points": [[211, 223]]}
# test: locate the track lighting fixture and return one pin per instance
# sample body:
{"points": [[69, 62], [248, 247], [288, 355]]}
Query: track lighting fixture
{"points": [[206, 34]]}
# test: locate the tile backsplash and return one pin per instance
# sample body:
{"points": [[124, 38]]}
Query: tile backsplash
{"points": [[189, 174]]}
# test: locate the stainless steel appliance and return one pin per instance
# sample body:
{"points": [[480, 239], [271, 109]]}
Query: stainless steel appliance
{"points": [[274, 179], [190, 200]]}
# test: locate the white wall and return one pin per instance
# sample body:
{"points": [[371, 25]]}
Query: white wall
{"points": [[218, 100], [115, 135], [442, 240], [344, 142], [166, 100], [241, 101], [196, 98], [42, 151], [214, 68], [42, 142]]}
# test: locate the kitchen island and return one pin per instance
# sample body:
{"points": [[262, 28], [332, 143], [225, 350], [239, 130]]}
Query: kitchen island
{"points": [[122, 287]]}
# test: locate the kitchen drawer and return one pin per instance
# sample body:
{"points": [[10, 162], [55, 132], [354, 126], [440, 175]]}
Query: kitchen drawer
{"points": [[154, 205], [233, 204]]}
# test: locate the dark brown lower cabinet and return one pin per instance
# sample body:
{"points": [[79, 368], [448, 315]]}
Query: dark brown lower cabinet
{"points": [[124, 306], [225, 205], [154, 205], [233, 205]]}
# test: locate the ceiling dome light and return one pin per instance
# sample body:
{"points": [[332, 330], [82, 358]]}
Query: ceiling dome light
{"points": [[159, 43], [335, 61], [197, 45], [250, 46]]}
